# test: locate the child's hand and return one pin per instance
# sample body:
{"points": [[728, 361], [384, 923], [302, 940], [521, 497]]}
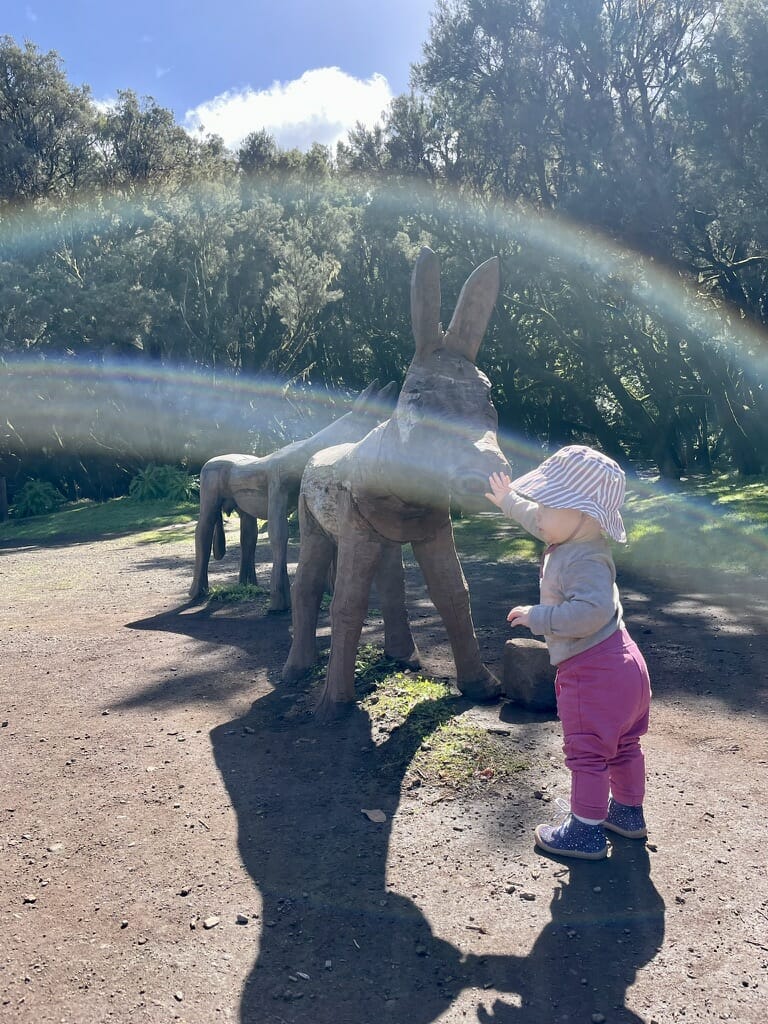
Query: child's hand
{"points": [[499, 484], [520, 615]]}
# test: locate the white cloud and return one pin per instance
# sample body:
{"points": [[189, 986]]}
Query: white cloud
{"points": [[105, 106], [321, 106], [31, 15]]}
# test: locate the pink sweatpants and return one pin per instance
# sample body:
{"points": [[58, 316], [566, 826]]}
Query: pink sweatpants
{"points": [[603, 700]]}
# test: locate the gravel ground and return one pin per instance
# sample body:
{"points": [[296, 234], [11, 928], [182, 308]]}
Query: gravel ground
{"points": [[181, 842]]}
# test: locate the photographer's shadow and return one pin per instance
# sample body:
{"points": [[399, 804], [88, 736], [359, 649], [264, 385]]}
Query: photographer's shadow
{"points": [[336, 945]]}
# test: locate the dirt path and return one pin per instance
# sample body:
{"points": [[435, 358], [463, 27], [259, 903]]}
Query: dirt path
{"points": [[158, 788]]}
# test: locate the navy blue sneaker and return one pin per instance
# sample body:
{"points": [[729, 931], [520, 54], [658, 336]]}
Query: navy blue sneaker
{"points": [[573, 838], [628, 821]]}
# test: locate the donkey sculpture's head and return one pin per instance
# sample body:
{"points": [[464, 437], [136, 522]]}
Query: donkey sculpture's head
{"points": [[440, 443]]}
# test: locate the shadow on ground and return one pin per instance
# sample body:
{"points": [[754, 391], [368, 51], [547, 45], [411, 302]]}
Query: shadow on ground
{"points": [[339, 946], [336, 943]]}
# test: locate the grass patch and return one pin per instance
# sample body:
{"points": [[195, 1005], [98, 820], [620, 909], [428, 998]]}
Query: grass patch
{"points": [[718, 523], [237, 593], [91, 520], [171, 534], [494, 538], [450, 751]]}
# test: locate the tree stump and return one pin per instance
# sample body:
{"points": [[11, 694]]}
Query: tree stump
{"points": [[528, 679]]}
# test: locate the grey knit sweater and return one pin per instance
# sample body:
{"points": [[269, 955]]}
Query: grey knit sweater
{"points": [[579, 600]]}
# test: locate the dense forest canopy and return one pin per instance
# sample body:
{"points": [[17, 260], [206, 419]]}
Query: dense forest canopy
{"points": [[164, 298]]}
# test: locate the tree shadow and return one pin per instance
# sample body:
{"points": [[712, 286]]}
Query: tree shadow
{"points": [[338, 945]]}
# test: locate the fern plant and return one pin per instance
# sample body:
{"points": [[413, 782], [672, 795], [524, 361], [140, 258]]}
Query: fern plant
{"points": [[37, 498], [163, 483]]}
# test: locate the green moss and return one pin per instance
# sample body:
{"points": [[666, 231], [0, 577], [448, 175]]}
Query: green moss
{"points": [[237, 593], [460, 755], [450, 751]]}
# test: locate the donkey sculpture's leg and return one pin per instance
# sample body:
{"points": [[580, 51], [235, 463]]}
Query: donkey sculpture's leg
{"points": [[359, 555], [390, 585], [210, 515], [249, 536], [277, 517], [308, 586], [450, 594]]}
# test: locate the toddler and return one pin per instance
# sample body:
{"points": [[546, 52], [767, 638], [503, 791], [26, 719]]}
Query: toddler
{"points": [[603, 692]]}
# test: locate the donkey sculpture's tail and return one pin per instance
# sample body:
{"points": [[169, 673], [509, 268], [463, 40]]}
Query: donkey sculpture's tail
{"points": [[219, 537]]}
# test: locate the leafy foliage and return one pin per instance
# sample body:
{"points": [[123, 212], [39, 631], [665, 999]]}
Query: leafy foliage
{"points": [[37, 498], [612, 154], [162, 483]]}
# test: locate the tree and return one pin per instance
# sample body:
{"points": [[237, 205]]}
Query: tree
{"points": [[44, 126]]}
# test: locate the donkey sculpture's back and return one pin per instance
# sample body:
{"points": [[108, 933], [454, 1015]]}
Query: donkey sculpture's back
{"points": [[395, 486], [267, 488]]}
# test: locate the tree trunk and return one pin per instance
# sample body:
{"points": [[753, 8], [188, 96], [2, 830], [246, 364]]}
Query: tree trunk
{"points": [[741, 433], [582, 405], [659, 433]]}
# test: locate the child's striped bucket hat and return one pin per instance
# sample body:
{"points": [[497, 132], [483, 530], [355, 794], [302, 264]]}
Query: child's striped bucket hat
{"points": [[582, 478]]}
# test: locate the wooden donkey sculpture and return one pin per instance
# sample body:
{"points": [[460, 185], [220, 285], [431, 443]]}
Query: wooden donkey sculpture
{"points": [[268, 488], [363, 501]]}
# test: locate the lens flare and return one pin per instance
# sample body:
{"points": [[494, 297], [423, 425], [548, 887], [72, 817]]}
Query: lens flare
{"points": [[152, 410]]}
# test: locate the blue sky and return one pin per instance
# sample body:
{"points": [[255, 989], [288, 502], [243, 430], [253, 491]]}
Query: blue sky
{"points": [[304, 70]]}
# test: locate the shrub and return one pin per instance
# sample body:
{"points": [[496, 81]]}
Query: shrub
{"points": [[37, 498], [163, 483]]}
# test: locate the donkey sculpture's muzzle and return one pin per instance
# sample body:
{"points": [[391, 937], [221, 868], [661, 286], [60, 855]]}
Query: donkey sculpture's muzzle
{"points": [[472, 485], [469, 489]]}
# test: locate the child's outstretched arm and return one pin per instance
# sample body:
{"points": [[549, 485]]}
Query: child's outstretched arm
{"points": [[512, 504]]}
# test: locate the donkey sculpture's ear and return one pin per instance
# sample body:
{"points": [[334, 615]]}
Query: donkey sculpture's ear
{"points": [[473, 310], [363, 398], [425, 303], [388, 394]]}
